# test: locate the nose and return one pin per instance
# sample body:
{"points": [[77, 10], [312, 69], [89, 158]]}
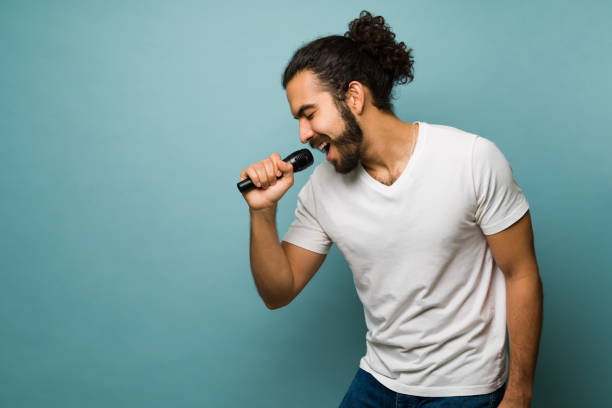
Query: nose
{"points": [[306, 132]]}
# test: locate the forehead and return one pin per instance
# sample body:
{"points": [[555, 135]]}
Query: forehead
{"points": [[304, 89]]}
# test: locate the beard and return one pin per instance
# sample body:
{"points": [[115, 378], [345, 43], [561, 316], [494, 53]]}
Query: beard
{"points": [[349, 143]]}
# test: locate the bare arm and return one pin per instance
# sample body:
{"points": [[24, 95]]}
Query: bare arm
{"points": [[269, 264], [280, 272], [514, 253]]}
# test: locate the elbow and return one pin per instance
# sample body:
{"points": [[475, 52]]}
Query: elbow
{"points": [[278, 299], [277, 304], [269, 305], [272, 307]]}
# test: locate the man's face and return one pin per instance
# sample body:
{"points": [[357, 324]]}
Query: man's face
{"points": [[322, 121]]}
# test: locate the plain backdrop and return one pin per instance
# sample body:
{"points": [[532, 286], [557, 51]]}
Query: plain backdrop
{"points": [[124, 264]]}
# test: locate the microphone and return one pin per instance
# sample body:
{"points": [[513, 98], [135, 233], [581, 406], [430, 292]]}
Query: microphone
{"points": [[299, 159]]}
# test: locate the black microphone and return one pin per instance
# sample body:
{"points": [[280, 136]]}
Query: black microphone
{"points": [[299, 159]]}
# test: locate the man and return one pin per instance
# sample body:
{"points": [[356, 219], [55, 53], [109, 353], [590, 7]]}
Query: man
{"points": [[429, 218]]}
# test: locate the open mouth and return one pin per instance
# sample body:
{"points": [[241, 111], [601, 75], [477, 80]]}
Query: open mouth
{"points": [[324, 148]]}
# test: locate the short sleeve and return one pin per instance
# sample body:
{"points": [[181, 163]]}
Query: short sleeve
{"points": [[500, 202], [305, 231]]}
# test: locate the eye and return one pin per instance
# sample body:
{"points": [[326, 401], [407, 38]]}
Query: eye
{"points": [[309, 117]]}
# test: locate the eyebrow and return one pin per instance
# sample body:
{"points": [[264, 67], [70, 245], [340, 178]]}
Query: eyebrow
{"points": [[302, 109]]}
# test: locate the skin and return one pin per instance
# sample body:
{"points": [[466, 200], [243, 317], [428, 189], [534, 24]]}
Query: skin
{"points": [[513, 251], [384, 152], [362, 134], [387, 141]]}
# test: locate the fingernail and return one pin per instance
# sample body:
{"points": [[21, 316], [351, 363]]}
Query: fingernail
{"points": [[279, 173]]}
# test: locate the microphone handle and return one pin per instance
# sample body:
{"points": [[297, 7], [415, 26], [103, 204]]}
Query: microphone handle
{"points": [[247, 184], [300, 159]]}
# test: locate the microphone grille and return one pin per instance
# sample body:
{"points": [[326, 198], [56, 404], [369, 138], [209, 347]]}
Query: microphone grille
{"points": [[301, 159]]}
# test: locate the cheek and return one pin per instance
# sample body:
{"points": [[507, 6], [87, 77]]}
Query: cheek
{"points": [[327, 126], [319, 126]]}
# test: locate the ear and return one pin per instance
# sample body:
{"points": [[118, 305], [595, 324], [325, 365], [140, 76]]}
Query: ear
{"points": [[356, 97]]}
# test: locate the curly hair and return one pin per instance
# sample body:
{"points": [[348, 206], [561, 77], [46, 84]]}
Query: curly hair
{"points": [[367, 53]]}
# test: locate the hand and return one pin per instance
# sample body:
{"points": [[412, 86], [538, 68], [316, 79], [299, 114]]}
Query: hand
{"points": [[264, 175]]}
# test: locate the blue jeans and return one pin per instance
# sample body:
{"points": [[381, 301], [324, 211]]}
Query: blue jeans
{"points": [[366, 391]]}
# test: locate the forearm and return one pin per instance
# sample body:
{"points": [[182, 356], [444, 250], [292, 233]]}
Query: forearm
{"points": [[524, 298], [269, 264]]}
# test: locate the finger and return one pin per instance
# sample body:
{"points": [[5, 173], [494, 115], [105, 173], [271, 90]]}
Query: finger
{"points": [[278, 163], [243, 174], [253, 176], [269, 166], [263, 176], [275, 158]]}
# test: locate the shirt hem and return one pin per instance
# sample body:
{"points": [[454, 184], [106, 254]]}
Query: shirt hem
{"points": [[452, 391], [306, 245], [508, 221]]}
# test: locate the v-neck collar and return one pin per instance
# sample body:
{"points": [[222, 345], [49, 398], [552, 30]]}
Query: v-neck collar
{"points": [[371, 181]]}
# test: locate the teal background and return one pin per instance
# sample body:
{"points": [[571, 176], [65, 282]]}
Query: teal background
{"points": [[124, 266]]}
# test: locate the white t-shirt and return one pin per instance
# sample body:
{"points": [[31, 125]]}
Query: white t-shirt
{"points": [[434, 300]]}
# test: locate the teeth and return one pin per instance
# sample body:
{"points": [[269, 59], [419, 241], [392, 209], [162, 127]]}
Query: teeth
{"points": [[322, 147]]}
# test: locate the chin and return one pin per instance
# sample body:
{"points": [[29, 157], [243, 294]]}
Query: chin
{"points": [[345, 168]]}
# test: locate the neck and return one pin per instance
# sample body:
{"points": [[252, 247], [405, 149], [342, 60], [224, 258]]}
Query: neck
{"points": [[387, 144]]}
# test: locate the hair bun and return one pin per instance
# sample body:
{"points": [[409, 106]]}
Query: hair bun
{"points": [[376, 39]]}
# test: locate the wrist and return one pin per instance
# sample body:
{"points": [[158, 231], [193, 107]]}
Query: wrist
{"points": [[271, 210], [518, 394]]}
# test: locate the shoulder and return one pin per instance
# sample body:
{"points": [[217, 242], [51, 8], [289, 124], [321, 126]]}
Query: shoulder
{"points": [[448, 135], [448, 146], [487, 157], [486, 148], [482, 153]]}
